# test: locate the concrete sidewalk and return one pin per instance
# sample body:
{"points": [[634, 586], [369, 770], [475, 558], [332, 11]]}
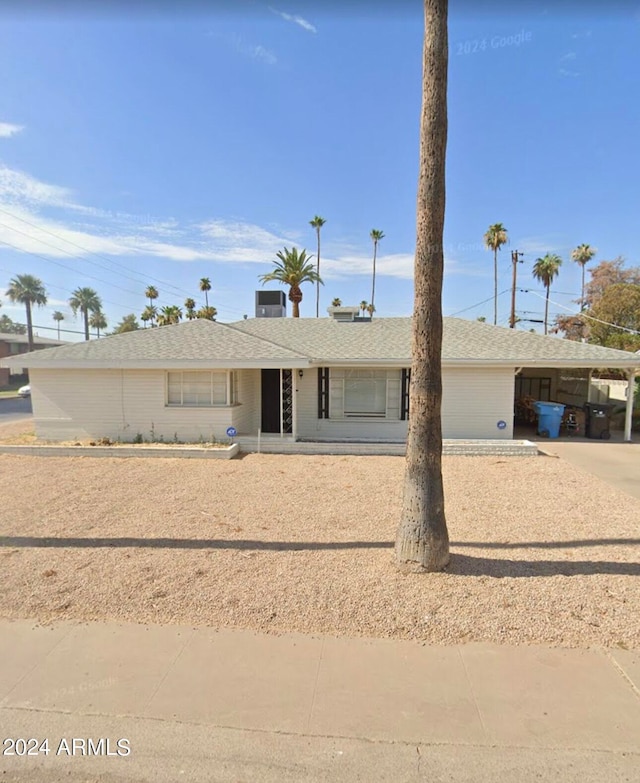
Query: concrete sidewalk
{"points": [[207, 705]]}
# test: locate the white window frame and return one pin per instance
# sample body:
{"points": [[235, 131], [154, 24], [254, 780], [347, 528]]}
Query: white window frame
{"points": [[213, 377], [338, 380]]}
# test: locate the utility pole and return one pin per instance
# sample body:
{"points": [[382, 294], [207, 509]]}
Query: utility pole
{"points": [[514, 262]]}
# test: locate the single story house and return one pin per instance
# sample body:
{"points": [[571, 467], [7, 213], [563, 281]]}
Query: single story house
{"points": [[13, 344], [336, 378]]}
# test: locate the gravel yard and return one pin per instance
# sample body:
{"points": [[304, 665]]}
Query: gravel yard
{"points": [[541, 552]]}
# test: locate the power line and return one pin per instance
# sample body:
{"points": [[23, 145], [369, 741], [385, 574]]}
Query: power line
{"points": [[484, 301], [584, 315], [85, 250]]}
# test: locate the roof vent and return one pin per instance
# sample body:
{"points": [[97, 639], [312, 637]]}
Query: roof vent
{"points": [[343, 313]]}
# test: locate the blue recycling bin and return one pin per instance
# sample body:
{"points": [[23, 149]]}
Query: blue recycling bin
{"points": [[549, 418]]}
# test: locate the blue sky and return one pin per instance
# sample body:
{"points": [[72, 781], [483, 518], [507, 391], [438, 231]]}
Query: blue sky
{"points": [[169, 146]]}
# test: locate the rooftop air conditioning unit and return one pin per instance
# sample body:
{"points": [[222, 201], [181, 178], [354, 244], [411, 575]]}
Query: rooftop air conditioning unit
{"points": [[271, 304]]}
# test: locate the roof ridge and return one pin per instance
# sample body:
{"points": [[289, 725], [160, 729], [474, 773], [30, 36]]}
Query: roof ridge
{"points": [[269, 342]]}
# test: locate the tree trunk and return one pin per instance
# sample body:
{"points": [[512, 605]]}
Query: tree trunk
{"points": [[546, 308], [495, 286], [29, 326], [373, 284], [582, 294], [422, 541], [85, 314], [318, 281], [295, 297]]}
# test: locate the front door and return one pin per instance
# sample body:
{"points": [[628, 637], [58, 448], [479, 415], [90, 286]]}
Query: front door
{"points": [[271, 400]]}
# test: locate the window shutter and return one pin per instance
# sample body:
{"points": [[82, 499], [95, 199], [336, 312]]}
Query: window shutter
{"points": [[323, 392], [404, 399]]}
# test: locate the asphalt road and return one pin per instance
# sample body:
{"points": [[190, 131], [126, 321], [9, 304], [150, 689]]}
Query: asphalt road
{"points": [[14, 408]]}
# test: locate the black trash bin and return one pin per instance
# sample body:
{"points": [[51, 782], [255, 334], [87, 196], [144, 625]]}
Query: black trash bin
{"points": [[597, 420]]}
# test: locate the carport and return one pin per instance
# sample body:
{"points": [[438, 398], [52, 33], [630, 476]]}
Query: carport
{"points": [[571, 386]]}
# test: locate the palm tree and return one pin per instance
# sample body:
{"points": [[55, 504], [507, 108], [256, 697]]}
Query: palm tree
{"points": [[170, 314], [98, 321], [29, 291], [205, 285], [337, 302], [363, 306], [317, 223], [582, 255], [422, 541], [545, 270], [495, 237], [151, 293], [190, 309], [293, 269], [371, 310], [209, 313], [57, 317], [87, 301], [376, 236], [149, 314]]}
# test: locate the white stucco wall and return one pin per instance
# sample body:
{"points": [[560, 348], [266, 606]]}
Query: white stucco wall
{"points": [[474, 401], [79, 404], [75, 404]]}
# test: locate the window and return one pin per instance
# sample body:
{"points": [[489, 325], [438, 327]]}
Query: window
{"points": [[364, 394], [203, 389]]}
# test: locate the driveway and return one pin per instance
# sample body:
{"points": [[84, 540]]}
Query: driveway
{"points": [[616, 463], [14, 409]]}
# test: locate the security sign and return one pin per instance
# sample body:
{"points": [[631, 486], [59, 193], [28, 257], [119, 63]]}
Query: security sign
{"points": [[231, 432]]}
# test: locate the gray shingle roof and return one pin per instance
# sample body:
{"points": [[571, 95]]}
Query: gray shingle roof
{"points": [[10, 337], [389, 339], [191, 342], [295, 342]]}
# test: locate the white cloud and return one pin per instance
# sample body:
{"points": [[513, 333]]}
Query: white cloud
{"points": [[295, 19], [568, 56], [568, 74], [41, 218], [255, 52], [7, 130]]}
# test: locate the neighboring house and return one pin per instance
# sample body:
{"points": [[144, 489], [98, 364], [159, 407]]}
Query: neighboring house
{"points": [[300, 378], [13, 344]]}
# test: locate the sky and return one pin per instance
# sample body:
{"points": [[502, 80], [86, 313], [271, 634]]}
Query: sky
{"points": [[198, 139]]}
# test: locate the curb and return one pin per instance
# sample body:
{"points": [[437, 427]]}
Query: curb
{"points": [[229, 452]]}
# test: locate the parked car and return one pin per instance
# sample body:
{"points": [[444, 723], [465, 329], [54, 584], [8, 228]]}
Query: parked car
{"points": [[24, 391]]}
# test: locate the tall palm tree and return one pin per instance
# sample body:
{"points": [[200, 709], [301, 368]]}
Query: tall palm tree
{"points": [[149, 314], [170, 314], [376, 236], [363, 306], [98, 320], [29, 291], [317, 223], [205, 286], [57, 317], [190, 308], [151, 293], [582, 255], [87, 301], [422, 541], [494, 238], [545, 270], [293, 268]]}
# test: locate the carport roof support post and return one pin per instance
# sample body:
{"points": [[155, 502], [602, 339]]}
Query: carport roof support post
{"points": [[628, 418]]}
